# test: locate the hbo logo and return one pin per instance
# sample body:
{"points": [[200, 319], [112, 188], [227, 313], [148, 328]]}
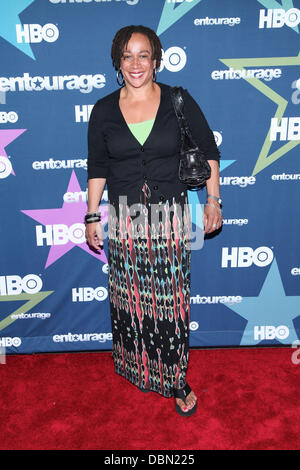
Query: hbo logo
{"points": [[244, 256], [271, 332], [8, 342], [288, 129], [15, 285], [87, 294], [36, 33], [5, 167], [174, 59], [60, 234], [218, 138], [11, 116], [194, 325], [278, 17]]}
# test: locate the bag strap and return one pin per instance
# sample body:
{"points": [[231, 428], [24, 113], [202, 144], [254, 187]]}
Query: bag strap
{"points": [[178, 104]]}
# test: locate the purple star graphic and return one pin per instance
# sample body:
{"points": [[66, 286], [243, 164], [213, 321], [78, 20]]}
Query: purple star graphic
{"points": [[6, 137], [68, 215]]}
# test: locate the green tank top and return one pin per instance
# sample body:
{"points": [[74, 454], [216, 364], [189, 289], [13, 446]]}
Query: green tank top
{"points": [[141, 130]]}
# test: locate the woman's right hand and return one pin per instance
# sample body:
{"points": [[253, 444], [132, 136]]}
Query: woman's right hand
{"points": [[93, 235]]}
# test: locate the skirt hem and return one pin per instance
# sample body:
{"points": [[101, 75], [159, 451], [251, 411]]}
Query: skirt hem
{"points": [[165, 394]]}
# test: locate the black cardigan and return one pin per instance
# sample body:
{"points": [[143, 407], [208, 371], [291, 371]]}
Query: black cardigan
{"points": [[115, 154]]}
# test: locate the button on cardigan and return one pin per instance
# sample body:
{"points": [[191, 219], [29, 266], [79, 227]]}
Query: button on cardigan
{"points": [[115, 154]]}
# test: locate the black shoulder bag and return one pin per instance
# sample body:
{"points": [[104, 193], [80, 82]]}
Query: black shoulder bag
{"points": [[194, 169]]}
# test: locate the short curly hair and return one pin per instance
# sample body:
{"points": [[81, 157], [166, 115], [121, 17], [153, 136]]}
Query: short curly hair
{"points": [[123, 36]]}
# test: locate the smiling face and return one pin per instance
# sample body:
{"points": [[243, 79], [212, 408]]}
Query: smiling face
{"points": [[136, 63]]}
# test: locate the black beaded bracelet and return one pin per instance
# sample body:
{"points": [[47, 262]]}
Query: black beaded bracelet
{"points": [[91, 221], [92, 217]]}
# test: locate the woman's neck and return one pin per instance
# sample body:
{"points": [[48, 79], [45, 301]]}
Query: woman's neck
{"points": [[139, 94]]}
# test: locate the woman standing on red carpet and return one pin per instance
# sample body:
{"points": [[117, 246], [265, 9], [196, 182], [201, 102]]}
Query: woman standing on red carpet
{"points": [[133, 147]]}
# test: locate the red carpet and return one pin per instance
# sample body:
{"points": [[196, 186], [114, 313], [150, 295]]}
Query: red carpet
{"points": [[248, 399]]}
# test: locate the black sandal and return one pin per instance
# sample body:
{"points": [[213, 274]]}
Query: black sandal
{"points": [[182, 393]]}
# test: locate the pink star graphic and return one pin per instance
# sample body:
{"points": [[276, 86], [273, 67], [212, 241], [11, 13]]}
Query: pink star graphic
{"points": [[6, 137], [68, 215]]}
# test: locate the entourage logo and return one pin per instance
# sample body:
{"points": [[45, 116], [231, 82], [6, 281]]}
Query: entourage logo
{"points": [[32, 315], [237, 74], [216, 21], [239, 222], [241, 181], [295, 271], [35, 33], [82, 337], [81, 196], [83, 83], [245, 256], [286, 177], [52, 164], [216, 299]]}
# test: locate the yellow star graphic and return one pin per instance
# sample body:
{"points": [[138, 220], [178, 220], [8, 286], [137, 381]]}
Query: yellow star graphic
{"points": [[32, 300], [265, 158]]}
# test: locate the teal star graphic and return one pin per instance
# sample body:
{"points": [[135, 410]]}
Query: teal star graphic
{"points": [[272, 307], [172, 12], [274, 4], [9, 18]]}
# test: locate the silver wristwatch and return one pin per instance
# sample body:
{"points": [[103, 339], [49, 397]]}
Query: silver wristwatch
{"points": [[215, 198]]}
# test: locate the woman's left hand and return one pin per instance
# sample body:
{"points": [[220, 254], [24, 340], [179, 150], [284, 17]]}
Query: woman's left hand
{"points": [[212, 218]]}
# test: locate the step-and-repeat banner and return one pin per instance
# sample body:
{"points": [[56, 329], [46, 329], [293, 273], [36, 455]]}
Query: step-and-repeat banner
{"points": [[240, 60]]}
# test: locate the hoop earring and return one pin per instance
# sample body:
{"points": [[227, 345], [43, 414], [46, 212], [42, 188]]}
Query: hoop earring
{"points": [[154, 75], [121, 83]]}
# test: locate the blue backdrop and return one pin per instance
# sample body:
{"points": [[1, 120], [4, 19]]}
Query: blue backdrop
{"points": [[240, 60]]}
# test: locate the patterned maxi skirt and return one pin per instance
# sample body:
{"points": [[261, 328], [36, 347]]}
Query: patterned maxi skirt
{"points": [[149, 292]]}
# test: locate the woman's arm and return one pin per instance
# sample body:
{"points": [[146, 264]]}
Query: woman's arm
{"points": [[93, 231], [98, 165], [212, 215], [95, 191]]}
